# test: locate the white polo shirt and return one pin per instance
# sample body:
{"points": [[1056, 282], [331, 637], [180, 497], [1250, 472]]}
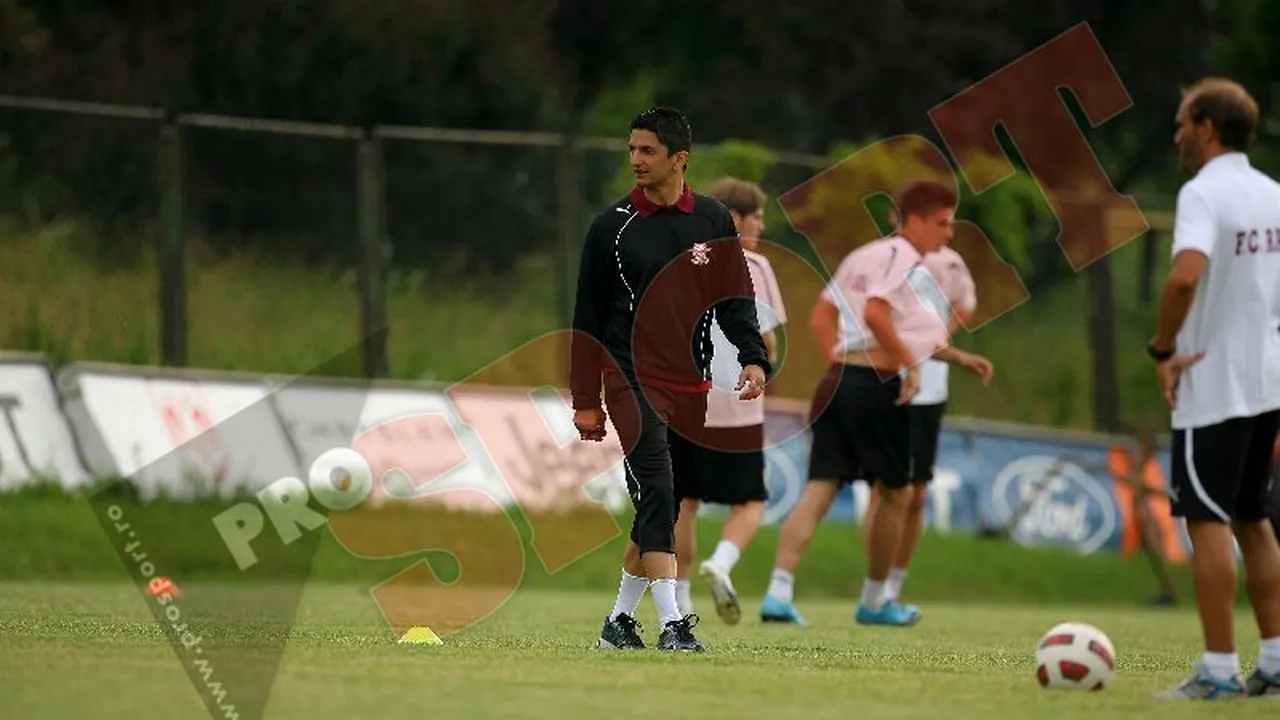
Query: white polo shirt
{"points": [[948, 287], [724, 409], [1230, 212]]}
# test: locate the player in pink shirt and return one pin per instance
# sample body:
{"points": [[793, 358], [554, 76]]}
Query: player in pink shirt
{"points": [[729, 460], [874, 318], [952, 295]]}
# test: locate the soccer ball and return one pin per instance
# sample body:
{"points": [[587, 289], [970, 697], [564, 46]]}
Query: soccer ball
{"points": [[1075, 656]]}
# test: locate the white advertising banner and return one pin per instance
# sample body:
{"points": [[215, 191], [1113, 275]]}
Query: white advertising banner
{"points": [[35, 440], [183, 437], [516, 446], [421, 443], [529, 438], [409, 437]]}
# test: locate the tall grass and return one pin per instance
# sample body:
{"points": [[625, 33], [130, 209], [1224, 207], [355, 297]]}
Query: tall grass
{"points": [[248, 314]]}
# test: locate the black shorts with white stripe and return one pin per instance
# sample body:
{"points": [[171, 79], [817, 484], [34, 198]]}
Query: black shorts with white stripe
{"points": [[1222, 472]]}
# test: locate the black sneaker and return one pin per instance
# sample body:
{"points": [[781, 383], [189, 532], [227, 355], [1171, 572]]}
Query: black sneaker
{"points": [[620, 633], [677, 635], [1261, 684]]}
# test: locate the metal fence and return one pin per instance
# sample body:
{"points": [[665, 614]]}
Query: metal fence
{"points": [[396, 191], [383, 225]]}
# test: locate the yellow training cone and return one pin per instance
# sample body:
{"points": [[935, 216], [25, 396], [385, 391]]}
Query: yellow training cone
{"points": [[420, 635]]}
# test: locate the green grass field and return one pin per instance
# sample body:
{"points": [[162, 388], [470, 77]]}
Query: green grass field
{"points": [[93, 650], [81, 641]]}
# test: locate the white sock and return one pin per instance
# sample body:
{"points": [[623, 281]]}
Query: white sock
{"points": [[1222, 666], [893, 586], [726, 556], [664, 598], [684, 597], [1269, 656], [782, 586], [873, 594], [630, 590]]}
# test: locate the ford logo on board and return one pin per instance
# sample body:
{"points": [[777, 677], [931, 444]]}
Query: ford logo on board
{"points": [[784, 479], [1061, 504]]}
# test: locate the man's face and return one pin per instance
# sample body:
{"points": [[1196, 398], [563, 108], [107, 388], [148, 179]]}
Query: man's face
{"points": [[1192, 140], [750, 227], [651, 162], [932, 230]]}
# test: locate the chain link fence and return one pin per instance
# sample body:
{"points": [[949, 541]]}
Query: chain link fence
{"points": [[136, 236]]}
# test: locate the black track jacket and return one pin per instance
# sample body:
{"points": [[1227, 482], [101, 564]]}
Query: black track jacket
{"points": [[649, 280]]}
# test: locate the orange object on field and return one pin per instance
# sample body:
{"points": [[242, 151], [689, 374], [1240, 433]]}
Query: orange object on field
{"points": [[1157, 506], [162, 586]]}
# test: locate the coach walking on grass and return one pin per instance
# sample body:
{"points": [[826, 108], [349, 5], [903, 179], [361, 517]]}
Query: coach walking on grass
{"points": [[654, 264], [1217, 354]]}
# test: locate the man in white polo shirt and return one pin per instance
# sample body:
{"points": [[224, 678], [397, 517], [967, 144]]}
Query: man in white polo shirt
{"points": [[1217, 349], [953, 296], [728, 461]]}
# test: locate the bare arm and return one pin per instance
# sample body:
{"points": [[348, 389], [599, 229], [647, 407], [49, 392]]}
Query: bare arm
{"points": [[959, 319], [824, 322], [879, 320], [1194, 230], [975, 364], [1179, 293]]}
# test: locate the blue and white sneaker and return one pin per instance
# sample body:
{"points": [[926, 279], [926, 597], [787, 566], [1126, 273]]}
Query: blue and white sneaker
{"points": [[892, 613], [1203, 686], [1263, 685], [773, 610]]}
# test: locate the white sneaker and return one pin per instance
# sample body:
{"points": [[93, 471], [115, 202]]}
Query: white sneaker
{"points": [[722, 592]]}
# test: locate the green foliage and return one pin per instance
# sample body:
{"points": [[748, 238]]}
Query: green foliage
{"points": [[1007, 211], [1246, 51], [613, 110], [734, 158]]}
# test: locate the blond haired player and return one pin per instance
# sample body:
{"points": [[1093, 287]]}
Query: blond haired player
{"points": [[729, 460]]}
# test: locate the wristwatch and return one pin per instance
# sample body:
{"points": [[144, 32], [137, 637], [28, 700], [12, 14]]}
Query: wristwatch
{"points": [[1156, 354]]}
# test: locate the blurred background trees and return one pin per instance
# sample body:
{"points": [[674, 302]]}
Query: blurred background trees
{"points": [[823, 77]]}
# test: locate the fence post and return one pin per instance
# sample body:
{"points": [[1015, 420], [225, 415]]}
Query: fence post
{"points": [[172, 265], [373, 307], [568, 198]]}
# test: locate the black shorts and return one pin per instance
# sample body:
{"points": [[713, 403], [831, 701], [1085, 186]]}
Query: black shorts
{"points": [[657, 428], [727, 466], [1275, 496], [1222, 472], [926, 428], [859, 430]]}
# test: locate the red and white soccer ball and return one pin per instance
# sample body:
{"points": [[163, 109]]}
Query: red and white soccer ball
{"points": [[1075, 656]]}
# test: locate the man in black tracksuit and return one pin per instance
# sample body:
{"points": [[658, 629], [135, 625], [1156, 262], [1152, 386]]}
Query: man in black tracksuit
{"points": [[655, 266]]}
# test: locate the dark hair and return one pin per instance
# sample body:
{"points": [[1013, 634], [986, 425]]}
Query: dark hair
{"points": [[1231, 109], [739, 196], [669, 124], [922, 198]]}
